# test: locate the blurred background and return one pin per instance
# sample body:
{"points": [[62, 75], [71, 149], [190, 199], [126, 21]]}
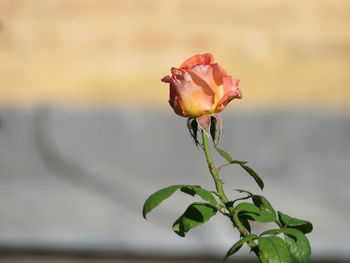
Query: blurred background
{"points": [[86, 132]]}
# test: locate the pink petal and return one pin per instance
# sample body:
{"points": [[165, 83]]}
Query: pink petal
{"points": [[202, 75], [175, 101], [219, 73], [166, 79], [228, 84], [176, 71], [196, 97], [233, 94], [235, 83], [198, 59]]}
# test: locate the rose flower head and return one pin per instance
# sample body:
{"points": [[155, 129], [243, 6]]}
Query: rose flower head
{"points": [[200, 87]]}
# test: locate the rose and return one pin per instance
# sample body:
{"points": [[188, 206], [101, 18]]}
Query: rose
{"points": [[200, 87]]}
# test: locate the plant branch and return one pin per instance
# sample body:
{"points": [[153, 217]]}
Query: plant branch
{"points": [[233, 214], [213, 170]]}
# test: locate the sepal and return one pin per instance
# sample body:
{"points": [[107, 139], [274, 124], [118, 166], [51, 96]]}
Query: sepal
{"points": [[192, 126], [210, 124], [204, 123], [216, 128]]}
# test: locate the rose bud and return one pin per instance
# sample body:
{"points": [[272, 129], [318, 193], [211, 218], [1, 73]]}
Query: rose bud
{"points": [[200, 87]]}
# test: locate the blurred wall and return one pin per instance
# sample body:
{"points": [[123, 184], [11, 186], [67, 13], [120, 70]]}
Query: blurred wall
{"points": [[286, 53]]}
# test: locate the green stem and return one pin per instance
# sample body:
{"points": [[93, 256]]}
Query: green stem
{"points": [[213, 170], [221, 194]]}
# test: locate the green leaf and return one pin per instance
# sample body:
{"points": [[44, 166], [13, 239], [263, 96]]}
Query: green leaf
{"points": [[274, 250], [263, 204], [203, 193], [297, 243], [196, 214], [224, 154], [248, 207], [299, 248], [156, 198], [252, 212], [253, 174], [264, 217], [238, 245], [239, 162], [303, 225]]}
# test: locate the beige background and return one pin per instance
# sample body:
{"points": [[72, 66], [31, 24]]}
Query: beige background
{"points": [[286, 53]]}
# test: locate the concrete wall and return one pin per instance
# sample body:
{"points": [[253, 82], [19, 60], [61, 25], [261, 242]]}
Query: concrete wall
{"points": [[77, 179]]}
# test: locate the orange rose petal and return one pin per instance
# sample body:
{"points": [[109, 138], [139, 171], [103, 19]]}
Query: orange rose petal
{"points": [[236, 83], [176, 71], [202, 75], [206, 59], [233, 94], [166, 79], [175, 102], [219, 73], [194, 99], [228, 84]]}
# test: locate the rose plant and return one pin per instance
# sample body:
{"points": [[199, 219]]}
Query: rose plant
{"points": [[199, 90]]}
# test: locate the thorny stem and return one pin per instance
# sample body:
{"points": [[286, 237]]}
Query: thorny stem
{"points": [[213, 170], [233, 214]]}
